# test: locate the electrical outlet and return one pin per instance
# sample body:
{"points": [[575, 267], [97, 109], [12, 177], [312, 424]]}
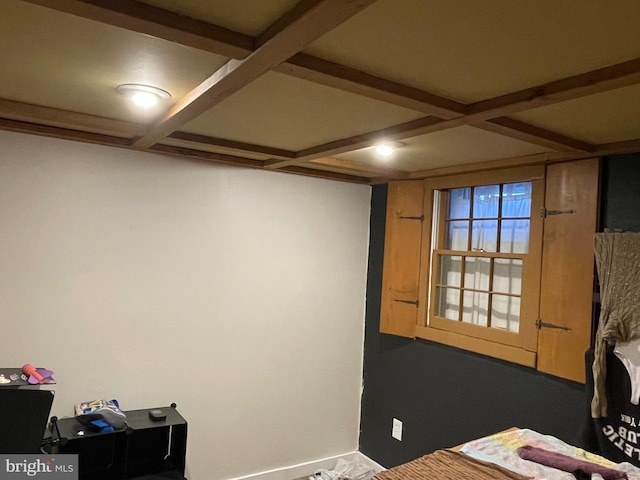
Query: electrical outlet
{"points": [[396, 431]]}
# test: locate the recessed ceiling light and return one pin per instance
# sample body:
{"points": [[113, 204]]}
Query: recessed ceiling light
{"points": [[387, 149], [144, 96]]}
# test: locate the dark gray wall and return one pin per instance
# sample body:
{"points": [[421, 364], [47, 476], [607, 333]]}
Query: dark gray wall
{"points": [[445, 396], [621, 192]]}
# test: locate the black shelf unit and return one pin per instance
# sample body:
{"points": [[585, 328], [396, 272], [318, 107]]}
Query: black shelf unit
{"points": [[145, 448]]}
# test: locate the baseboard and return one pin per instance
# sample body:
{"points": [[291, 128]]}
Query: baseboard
{"points": [[305, 469]]}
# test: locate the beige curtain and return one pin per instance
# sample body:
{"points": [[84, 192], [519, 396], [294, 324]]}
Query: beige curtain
{"points": [[618, 264]]}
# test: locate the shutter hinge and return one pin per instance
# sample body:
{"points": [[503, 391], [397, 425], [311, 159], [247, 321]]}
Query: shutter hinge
{"points": [[544, 213], [540, 324], [421, 218], [410, 302]]}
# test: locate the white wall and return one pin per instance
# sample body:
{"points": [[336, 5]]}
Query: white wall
{"points": [[236, 293]]}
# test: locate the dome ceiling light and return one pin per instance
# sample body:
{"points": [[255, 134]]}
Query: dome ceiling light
{"points": [[387, 149], [144, 96]]}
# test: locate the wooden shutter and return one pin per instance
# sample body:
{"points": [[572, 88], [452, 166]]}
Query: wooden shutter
{"points": [[571, 203], [401, 267]]}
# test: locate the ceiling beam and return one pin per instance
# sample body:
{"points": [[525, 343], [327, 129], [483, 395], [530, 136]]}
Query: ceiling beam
{"points": [[26, 112], [312, 19], [535, 159], [615, 148], [143, 18], [247, 162], [537, 136], [338, 76], [232, 144], [64, 133], [350, 166], [619, 148], [397, 132], [402, 131], [312, 172], [596, 81], [206, 156]]}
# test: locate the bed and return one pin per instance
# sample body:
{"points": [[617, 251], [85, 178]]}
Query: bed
{"points": [[499, 457]]}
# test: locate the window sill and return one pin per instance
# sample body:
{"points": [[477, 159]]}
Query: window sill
{"points": [[477, 345]]}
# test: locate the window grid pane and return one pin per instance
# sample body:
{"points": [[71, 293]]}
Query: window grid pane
{"points": [[507, 276], [459, 203], [477, 273], [486, 201], [516, 200], [484, 235], [505, 313], [475, 308], [450, 270], [457, 235], [514, 236], [449, 303]]}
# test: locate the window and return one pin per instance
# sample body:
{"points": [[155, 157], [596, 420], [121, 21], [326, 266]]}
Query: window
{"points": [[467, 263], [484, 257]]}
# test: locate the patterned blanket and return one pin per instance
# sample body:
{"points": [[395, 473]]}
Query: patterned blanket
{"points": [[501, 449]]}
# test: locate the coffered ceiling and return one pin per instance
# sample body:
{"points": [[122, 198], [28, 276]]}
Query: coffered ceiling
{"points": [[309, 86]]}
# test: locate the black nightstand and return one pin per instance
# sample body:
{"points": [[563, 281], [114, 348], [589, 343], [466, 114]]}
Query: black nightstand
{"points": [[146, 448]]}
